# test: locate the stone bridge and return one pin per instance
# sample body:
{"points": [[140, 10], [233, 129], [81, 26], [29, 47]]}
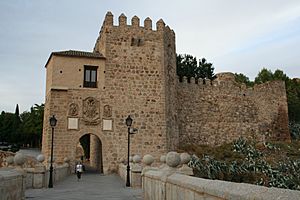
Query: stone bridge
{"points": [[169, 180]]}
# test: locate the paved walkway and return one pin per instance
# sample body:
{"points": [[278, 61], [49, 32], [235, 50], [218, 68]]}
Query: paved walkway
{"points": [[90, 187]]}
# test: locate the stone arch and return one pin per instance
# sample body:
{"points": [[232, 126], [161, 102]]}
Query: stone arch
{"points": [[97, 150]]}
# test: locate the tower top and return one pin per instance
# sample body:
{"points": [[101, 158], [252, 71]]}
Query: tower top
{"points": [[135, 22]]}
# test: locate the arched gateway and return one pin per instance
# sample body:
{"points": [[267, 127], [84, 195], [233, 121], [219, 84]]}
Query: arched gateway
{"points": [[89, 150]]}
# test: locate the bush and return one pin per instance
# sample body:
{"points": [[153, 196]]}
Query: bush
{"points": [[294, 130], [253, 168]]}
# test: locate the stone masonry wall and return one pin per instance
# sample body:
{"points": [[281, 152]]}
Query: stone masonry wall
{"points": [[135, 82], [64, 88], [171, 86], [225, 110]]}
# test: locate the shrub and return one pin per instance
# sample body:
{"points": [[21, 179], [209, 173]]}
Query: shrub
{"points": [[253, 168]]}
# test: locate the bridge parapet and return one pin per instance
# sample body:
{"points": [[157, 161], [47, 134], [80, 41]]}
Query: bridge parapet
{"points": [[172, 182], [17, 177]]}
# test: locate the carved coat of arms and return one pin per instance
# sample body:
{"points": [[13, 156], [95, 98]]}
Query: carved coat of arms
{"points": [[73, 109], [107, 112], [91, 113]]}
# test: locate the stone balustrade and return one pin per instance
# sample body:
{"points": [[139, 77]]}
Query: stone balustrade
{"points": [[171, 181], [140, 166], [15, 178]]}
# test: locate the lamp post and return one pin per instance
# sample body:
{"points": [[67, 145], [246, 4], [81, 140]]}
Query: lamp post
{"points": [[128, 123], [53, 121]]}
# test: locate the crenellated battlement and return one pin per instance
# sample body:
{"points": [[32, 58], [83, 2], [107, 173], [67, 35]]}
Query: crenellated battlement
{"points": [[133, 34], [135, 22], [227, 81], [222, 110]]}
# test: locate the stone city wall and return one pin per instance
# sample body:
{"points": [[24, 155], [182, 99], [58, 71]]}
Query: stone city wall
{"points": [[221, 111]]}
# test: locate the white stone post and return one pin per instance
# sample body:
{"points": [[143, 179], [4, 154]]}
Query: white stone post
{"points": [[9, 161], [136, 171], [185, 169], [19, 160], [163, 162], [147, 161], [39, 173], [67, 164]]}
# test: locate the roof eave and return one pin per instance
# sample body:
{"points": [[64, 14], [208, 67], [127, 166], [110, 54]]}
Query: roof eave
{"points": [[53, 53]]}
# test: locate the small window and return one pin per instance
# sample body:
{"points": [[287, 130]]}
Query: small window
{"points": [[90, 76]]}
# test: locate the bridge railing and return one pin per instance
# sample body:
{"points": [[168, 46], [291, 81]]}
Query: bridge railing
{"points": [[172, 181], [15, 178]]}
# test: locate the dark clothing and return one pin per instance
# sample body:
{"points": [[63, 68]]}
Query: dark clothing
{"points": [[78, 174]]}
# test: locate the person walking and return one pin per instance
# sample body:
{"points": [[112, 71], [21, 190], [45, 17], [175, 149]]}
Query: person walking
{"points": [[79, 169]]}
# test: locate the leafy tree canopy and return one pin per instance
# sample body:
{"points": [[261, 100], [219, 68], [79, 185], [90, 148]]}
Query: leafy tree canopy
{"points": [[188, 66], [22, 129], [241, 78]]}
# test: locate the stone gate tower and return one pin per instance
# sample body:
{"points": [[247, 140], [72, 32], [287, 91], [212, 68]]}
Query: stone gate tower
{"points": [[132, 71]]}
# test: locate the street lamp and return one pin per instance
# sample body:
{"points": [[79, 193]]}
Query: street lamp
{"points": [[53, 121], [128, 123]]}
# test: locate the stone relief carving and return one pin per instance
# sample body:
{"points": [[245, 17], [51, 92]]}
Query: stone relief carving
{"points": [[91, 113], [107, 111], [73, 109]]}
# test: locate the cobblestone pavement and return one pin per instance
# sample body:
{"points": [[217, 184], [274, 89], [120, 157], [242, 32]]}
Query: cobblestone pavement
{"points": [[90, 187]]}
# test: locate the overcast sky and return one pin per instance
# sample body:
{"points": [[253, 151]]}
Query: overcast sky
{"points": [[235, 35]]}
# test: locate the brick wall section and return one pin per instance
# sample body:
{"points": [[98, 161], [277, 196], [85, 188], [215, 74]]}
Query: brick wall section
{"points": [[225, 110]]}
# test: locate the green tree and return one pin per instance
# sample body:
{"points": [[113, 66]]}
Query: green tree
{"points": [[179, 66], [205, 69], [279, 75], [6, 126], [186, 65], [241, 78], [16, 126], [22, 129], [32, 125], [293, 96], [190, 64], [263, 76]]}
